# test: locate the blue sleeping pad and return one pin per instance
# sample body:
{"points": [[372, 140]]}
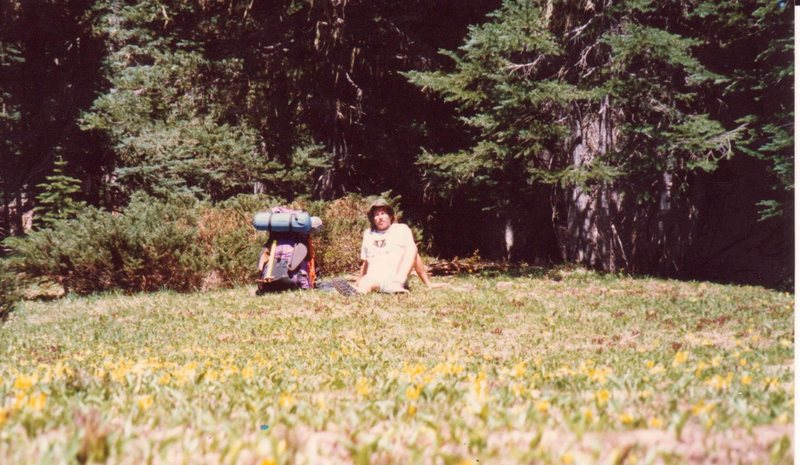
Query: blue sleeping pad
{"points": [[283, 222]]}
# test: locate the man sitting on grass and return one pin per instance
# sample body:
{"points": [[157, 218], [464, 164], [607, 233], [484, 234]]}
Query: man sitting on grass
{"points": [[388, 253]]}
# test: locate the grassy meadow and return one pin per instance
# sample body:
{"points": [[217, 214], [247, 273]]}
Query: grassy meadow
{"points": [[557, 367]]}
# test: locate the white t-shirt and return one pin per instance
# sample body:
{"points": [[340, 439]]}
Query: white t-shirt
{"points": [[383, 250]]}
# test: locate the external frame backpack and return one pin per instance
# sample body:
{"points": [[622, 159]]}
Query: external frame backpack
{"points": [[287, 259]]}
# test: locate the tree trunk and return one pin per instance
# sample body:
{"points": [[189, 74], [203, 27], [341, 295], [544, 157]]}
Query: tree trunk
{"points": [[17, 218], [5, 231]]}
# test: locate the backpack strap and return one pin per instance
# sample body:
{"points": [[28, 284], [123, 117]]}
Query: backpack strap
{"points": [[312, 265], [271, 262]]}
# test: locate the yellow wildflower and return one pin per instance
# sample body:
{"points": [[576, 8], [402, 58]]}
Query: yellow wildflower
{"points": [[3, 416], [543, 406], [701, 407], [413, 392], [742, 362], [567, 459], [650, 364], [479, 391], [655, 422], [362, 386], [720, 383], [144, 402], [37, 401], [680, 358], [286, 400], [23, 383], [118, 374], [212, 375], [413, 370], [519, 370], [747, 379], [412, 410], [770, 382], [588, 415], [603, 396], [599, 375], [626, 419], [700, 367], [269, 461], [715, 381]]}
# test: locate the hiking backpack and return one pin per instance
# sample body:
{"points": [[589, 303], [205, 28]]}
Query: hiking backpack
{"points": [[287, 259]]}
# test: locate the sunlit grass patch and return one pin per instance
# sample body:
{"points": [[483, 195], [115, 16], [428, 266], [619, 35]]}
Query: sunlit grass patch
{"points": [[585, 368]]}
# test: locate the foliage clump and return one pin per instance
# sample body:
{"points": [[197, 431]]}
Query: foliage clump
{"points": [[150, 246], [9, 292], [57, 201]]}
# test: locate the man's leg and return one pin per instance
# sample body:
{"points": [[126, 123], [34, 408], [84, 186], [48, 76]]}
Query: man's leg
{"points": [[367, 284], [422, 271]]}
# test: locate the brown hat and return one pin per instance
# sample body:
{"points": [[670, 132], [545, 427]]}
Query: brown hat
{"points": [[379, 203]]}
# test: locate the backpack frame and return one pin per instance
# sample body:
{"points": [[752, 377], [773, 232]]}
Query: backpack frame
{"points": [[286, 261]]}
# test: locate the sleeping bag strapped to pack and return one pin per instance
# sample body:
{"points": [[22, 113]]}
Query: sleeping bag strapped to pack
{"points": [[287, 259]]}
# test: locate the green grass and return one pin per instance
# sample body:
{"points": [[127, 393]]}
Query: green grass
{"points": [[559, 367]]}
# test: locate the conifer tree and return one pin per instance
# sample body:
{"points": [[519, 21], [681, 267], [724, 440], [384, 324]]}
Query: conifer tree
{"points": [[526, 78], [58, 199]]}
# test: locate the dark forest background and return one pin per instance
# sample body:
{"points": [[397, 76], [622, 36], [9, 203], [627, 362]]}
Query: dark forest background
{"points": [[653, 137]]}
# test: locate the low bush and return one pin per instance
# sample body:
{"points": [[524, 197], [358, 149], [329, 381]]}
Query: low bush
{"points": [[9, 291], [338, 244], [151, 246]]}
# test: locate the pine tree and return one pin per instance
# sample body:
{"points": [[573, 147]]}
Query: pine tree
{"points": [[523, 80], [58, 199]]}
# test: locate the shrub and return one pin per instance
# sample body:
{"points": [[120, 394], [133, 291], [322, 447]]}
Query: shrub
{"points": [[9, 291], [152, 245]]}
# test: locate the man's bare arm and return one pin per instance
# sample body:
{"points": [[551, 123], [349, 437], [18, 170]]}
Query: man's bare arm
{"points": [[407, 262]]}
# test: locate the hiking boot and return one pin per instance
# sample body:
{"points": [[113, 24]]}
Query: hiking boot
{"points": [[343, 287]]}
